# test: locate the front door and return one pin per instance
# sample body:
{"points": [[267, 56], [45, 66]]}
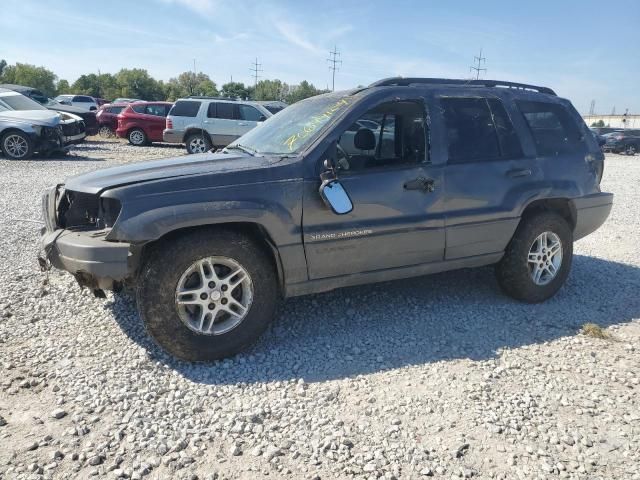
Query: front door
{"points": [[155, 117], [397, 219]]}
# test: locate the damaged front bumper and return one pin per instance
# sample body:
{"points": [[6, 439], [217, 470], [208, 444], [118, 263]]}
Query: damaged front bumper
{"points": [[95, 262]]}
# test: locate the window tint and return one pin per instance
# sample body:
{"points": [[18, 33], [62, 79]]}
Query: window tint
{"points": [[211, 110], [157, 110], [224, 110], [185, 108], [138, 108], [509, 142], [249, 113], [116, 110], [554, 131], [83, 99], [470, 131], [390, 134]]}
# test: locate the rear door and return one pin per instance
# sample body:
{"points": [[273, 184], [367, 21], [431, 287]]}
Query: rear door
{"points": [[155, 120], [487, 175], [221, 123]]}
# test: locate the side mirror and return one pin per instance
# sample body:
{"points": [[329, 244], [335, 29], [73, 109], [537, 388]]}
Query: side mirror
{"points": [[336, 197], [262, 118]]}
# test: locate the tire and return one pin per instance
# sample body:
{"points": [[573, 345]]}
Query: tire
{"points": [[137, 137], [515, 271], [198, 143], [16, 145], [630, 150], [163, 272], [105, 131]]}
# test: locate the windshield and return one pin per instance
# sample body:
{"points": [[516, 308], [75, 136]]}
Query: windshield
{"points": [[20, 102], [296, 126]]}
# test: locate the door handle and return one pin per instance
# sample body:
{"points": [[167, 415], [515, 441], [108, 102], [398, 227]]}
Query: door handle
{"points": [[519, 172], [420, 183]]}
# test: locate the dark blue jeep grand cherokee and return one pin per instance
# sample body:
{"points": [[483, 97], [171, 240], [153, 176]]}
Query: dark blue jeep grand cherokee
{"points": [[406, 177]]}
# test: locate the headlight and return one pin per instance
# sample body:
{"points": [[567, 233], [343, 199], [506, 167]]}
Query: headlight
{"points": [[109, 211]]}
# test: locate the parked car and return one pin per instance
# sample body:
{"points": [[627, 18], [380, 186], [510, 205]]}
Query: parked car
{"points": [[203, 123], [126, 100], [108, 118], [626, 141], [274, 106], [143, 122], [101, 101], [25, 132], [500, 173], [72, 126], [81, 101], [89, 117]]}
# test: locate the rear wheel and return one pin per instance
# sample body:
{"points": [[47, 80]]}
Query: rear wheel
{"points": [[538, 258], [198, 143], [207, 295], [630, 150], [17, 145], [137, 137]]}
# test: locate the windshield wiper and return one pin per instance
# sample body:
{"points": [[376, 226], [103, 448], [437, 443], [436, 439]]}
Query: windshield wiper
{"points": [[237, 146]]}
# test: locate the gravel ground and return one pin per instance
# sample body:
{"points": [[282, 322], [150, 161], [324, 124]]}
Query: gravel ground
{"points": [[438, 376]]}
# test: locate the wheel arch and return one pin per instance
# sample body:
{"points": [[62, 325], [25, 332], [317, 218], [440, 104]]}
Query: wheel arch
{"points": [[562, 206], [257, 232], [196, 131]]}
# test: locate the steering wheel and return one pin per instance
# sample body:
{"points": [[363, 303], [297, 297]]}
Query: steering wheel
{"points": [[342, 157]]}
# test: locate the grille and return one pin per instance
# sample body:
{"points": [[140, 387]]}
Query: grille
{"points": [[74, 128]]}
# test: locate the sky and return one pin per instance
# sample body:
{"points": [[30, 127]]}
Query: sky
{"points": [[584, 50]]}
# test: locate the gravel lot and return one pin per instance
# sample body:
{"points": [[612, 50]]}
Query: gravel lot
{"points": [[437, 376]]}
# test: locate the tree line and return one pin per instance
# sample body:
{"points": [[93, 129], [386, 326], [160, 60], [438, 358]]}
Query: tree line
{"points": [[137, 83]]}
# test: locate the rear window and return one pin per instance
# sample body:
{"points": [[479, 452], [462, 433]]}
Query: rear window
{"points": [[185, 108], [138, 108], [553, 129], [115, 110]]}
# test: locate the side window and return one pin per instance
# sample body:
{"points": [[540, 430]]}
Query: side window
{"points": [[83, 99], [157, 110], [185, 108], [211, 110], [554, 131], [139, 108], [249, 113], [390, 134], [116, 110], [225, 111], [509, 142], [470, 130]]}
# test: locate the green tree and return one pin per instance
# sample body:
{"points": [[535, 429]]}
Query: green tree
{"points": [[3, 63], [62, 87], [270, 90], [234, 90], [188, 83], [302, 91], [137, 83], [599, 123], [30, 76]]}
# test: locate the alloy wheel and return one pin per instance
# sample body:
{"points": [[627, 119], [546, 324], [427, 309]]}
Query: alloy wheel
{"points": [[16, 146], [545, 258], [214, 295], [197, 145]]}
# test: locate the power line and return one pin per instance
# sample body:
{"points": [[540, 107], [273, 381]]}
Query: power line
{"points": [[255, 68], [480, 60], [333, 61]]}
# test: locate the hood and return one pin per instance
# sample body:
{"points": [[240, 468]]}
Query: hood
{"points": [[40, 117], [204, 163]]}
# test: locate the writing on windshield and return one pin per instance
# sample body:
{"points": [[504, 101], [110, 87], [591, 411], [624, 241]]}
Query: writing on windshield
{"points": [[314, 122]]}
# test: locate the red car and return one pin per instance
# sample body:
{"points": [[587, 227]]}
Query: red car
{"points": [[143, 122], [107, 117]]}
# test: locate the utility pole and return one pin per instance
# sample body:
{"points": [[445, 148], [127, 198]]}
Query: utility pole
{"points": [[480, 60], [255, 68], [333, 62], [592, 108]]}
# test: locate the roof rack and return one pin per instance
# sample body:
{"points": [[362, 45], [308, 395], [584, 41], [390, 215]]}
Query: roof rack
{"points": [[206, 97], [403, 82]]}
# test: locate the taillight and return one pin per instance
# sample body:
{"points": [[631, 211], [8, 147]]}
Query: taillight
{"points": [[169, 123]]}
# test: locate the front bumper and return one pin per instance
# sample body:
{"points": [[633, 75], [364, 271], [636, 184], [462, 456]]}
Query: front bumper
{"points": [[172, 136], [591, 213], [95, 262]]}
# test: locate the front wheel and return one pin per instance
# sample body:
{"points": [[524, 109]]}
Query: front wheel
{"points": [[198, 143], [630, 150], [17, 145], [537, 261], [105, 131], [207, 295]]}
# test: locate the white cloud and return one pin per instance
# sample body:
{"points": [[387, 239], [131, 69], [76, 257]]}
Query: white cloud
{"points": [[291, 33]]}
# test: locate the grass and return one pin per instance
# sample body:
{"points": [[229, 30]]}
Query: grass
{"points": [[595, 331]]}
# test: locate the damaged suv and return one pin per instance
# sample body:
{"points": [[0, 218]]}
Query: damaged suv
{"points": [[406, 177]]}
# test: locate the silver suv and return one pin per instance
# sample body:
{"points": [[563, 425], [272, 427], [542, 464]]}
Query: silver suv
{"points": [[203, 123]]}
